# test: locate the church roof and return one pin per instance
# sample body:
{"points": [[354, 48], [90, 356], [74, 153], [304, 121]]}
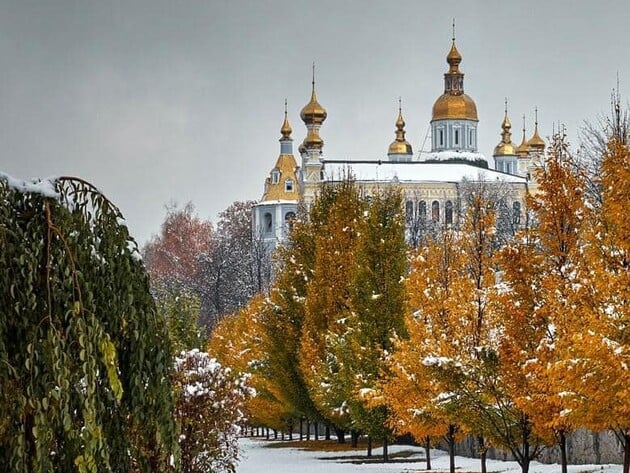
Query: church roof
{"points": [[414, 171]]}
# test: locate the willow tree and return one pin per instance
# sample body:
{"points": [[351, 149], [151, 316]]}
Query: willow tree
{"points": [[84, 360]]}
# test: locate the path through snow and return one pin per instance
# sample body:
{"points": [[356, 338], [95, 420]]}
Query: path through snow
{"points": [[259, 458]]}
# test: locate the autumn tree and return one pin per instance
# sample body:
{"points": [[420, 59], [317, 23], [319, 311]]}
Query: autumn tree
{"points": [[539, 315], [378, 310], [173, 258], [599, 353], [413, 393], [328, 306], [240, 343], [84, 363]]}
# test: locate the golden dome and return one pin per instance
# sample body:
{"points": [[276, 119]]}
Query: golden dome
{"points": [[313, 112], [449, 106], [400, 145], [536, 143], [523, 148], [454, 103], [505, 147], [454, 58], [312, 140]]}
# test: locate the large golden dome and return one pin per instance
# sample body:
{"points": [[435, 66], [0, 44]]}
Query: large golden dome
{"points": [[449, 106], [454, 104]]}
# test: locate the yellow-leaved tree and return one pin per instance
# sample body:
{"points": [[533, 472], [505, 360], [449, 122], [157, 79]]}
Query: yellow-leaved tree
{"points": [[599, 377], [537, 306]]}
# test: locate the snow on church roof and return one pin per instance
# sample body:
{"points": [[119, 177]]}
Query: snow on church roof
{"points": [[414, 171]]}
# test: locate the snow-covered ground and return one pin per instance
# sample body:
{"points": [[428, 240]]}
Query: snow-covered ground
{"points": [[257, 457]]}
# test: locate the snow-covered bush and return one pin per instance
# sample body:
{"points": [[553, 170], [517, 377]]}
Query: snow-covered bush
{"points": [[209, 408]]}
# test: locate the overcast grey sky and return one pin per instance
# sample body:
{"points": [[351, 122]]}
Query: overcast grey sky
{"points": [[162, 100]]}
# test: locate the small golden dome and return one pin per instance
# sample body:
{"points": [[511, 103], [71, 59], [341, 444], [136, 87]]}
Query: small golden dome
{"points": [[536, 143], [449, 106], [313, 112], [313, 140], [454, 58], [505, 147], [523, 149], [400, 145], [286, 130]]}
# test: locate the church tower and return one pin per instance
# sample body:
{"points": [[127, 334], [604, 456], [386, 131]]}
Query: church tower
{"points": [[454, 119], [313, 115], [505, 159], [400, 149], [274, 214]]}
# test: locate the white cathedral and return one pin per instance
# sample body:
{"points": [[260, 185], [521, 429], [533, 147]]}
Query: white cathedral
{"points": [[430, 181]]}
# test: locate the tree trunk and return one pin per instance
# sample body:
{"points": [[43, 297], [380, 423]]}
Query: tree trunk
{"points": [[525, 459], [316, 430], [341, 436], [626, 453], [369, 447], [450, 440], [327, 433], [427, 451], [267, 433], [483, 450], [385, 450], [275, 434], [354, 436], [301, 429], [563, 451], [308, 429]]}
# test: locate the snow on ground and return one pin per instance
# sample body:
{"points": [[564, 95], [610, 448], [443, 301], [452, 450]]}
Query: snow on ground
{"points": [[257, 457]]}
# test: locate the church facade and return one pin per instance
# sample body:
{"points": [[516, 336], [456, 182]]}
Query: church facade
{"points": [[432, 183]]}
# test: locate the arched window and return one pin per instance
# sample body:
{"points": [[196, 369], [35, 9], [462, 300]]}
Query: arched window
{"points": [[516, 213], [435, 211], [448, 213], [409, 210], [267, 223], [422, 210], [288, 185], [289, 217]]}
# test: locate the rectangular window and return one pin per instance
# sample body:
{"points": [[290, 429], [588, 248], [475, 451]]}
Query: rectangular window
{"points": [[456, 137], [441, 137]]}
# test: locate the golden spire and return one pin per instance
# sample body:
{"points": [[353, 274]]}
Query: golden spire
{"points": [[523, 148], [505, 147], [400, 145], [313, 112], [286, 128], [536, 143]]}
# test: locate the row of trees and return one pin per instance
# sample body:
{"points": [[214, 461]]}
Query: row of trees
{"points": [[516, 344]]}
